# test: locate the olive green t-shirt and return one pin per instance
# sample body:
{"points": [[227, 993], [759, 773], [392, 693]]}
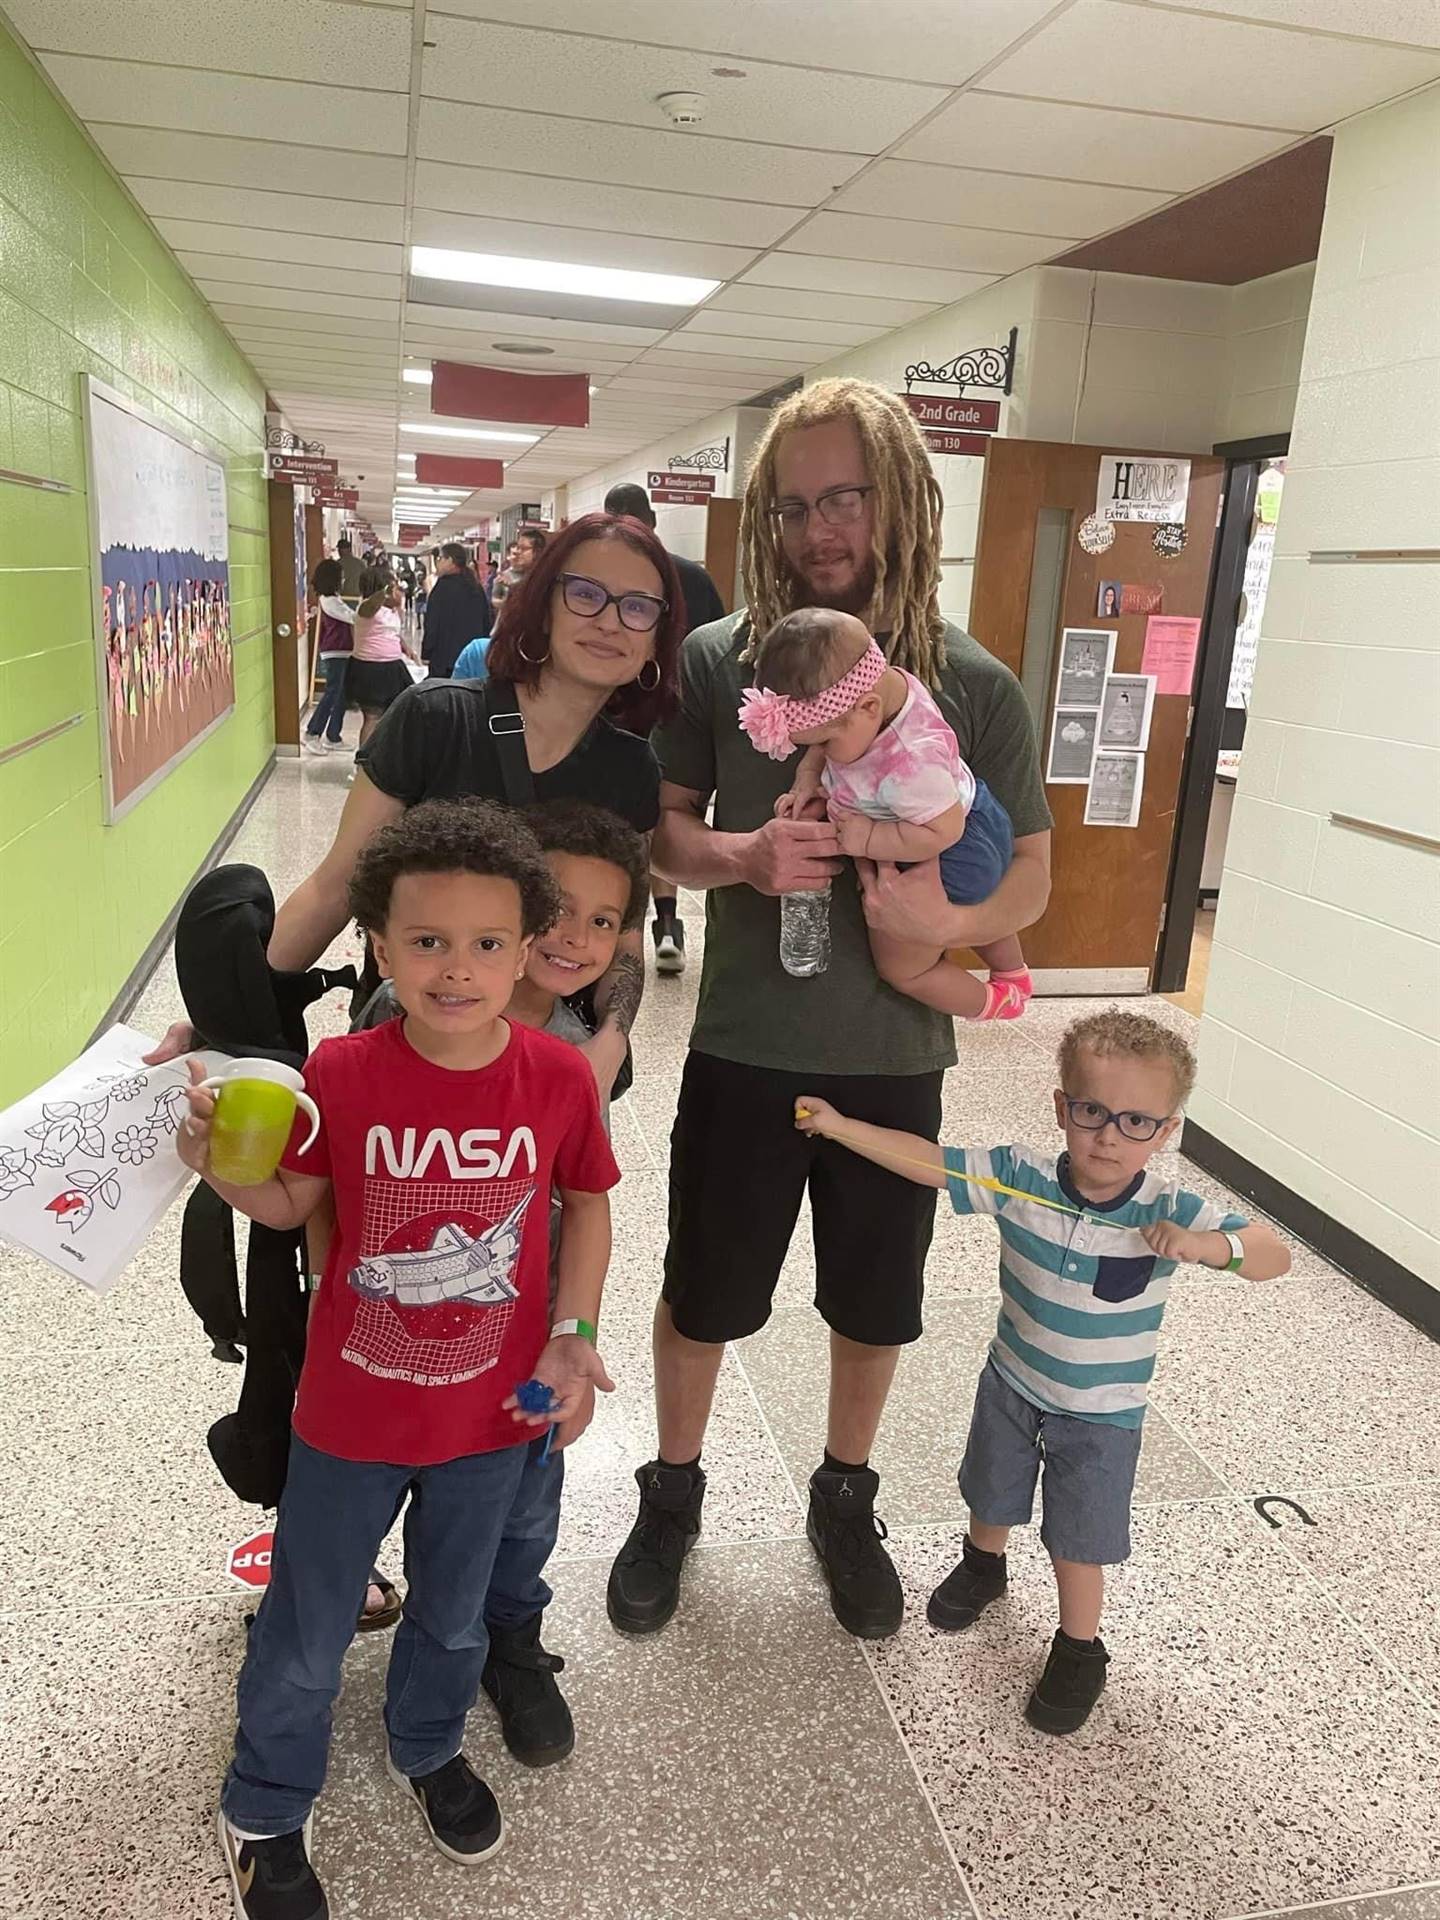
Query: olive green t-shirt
{"points": [[846, 1020]]}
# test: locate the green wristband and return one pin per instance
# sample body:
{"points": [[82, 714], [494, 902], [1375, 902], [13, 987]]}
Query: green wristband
{"points": [[585, 1329]]}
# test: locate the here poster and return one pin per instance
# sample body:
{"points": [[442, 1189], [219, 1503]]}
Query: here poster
{"points": [[165, 669]]}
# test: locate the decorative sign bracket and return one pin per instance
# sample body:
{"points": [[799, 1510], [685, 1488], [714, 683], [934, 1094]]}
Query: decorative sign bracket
{"points": [[992, 367], [281, 440], [705, 459]]}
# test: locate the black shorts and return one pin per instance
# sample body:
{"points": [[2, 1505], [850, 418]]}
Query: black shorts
{"points": [[738, 1171]]}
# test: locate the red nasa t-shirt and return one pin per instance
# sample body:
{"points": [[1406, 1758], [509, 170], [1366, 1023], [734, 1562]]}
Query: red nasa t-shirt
{"points": [[435, 1300]]}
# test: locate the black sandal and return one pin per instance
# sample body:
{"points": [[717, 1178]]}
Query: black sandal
{"points": [[382, 1617]]}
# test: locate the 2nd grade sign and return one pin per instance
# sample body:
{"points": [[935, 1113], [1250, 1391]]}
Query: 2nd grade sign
{"points": [[956, 416]]}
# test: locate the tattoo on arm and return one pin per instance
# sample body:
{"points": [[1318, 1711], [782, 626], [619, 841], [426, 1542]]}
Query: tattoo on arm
{"points": [[626, 984]]}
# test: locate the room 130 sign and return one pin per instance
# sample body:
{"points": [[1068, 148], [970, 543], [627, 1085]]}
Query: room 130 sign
{"points": [[1142, 486]]}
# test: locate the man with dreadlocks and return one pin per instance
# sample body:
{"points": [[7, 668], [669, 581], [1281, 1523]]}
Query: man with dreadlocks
{"points": [[841, 510]]}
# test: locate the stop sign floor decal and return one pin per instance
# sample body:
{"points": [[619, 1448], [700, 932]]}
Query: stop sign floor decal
{"points": [[248, 1561]]}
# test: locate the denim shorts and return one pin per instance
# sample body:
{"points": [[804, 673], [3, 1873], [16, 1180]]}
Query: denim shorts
{"points": [[974, 866], [1089, 1473]]}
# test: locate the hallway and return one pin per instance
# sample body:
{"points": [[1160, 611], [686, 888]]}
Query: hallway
{"points": [[1272, 1704]]}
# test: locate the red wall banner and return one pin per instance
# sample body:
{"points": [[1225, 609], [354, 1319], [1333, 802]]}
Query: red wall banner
{"points": [[494, 393], [457, 470]]}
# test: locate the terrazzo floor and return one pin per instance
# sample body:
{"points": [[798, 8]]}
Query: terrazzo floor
{"points": [[1269, 1741]]}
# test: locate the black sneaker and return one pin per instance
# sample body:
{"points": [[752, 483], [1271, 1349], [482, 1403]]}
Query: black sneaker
{"points": [[963, 1595], [273, 1879], [669, 938], [519, 1677], [644, 1583], [1073, 1680], [457, 1807], [846, 1532]]}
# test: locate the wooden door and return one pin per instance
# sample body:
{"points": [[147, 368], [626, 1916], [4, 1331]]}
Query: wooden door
{"points": [[1101, 928], [722, 547]]}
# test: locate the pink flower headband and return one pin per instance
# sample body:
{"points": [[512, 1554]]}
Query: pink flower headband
{"points": [[773, 719]]}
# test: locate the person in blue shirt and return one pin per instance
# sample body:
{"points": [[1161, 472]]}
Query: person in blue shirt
{"points": [[471, 663], [1088, 1242]]}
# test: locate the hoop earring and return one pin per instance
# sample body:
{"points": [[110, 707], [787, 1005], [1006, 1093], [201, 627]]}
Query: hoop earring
{"points": [[520, 649], [639, 678]]}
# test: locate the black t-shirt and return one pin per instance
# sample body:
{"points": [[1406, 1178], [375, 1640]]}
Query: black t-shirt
{"points": [[434, 743], [702, 597]]}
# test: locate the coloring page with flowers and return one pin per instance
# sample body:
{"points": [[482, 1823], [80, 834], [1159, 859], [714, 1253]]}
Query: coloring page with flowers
{"points": [[88, 1162]]}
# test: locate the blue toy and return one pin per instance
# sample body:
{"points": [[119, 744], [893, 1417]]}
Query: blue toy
{"points": [[534, 1396]]}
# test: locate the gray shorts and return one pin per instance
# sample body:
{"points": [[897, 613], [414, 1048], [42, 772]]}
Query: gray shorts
{"points": [[1089, 1473]]}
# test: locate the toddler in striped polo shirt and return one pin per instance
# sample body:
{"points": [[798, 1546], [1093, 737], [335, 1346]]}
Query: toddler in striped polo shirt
{"points": [[1088, 1242]]}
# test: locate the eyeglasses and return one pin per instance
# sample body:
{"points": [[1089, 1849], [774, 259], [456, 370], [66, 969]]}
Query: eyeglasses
{"points": [[640, 612], [1090, 1116], [839, 507]]}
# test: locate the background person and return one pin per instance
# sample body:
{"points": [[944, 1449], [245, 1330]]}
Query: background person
{"points": [[841, 510], [525, 550], [702, 605], [352, 570], [336, 642], [377, 674], [457, 612]]}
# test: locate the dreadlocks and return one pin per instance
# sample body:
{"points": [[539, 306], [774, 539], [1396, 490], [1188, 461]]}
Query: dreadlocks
{"points": [[908, 503]]}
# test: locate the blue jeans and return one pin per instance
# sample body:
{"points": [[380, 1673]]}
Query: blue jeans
{"points": [[331, 704], [333, 1515]]}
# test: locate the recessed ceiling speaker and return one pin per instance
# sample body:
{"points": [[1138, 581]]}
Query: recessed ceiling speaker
{"points": [[682, 109]]}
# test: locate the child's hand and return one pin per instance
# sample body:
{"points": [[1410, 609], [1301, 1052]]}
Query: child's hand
{"points": [[1172, 1242], [813, 1115], [192, 1138], [854, 830], [572, 1370]]}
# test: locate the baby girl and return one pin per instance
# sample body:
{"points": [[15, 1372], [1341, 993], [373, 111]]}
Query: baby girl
{"points": [[883, 763]]}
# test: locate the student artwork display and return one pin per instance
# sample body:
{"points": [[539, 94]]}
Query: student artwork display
{"points": [[1125, 709], [88, 1162], [162, 594], [1117, 781], [1085, 657], [1073, 732]]}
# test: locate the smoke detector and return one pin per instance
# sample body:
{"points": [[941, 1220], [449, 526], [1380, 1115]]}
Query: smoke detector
{"points": [[682, 109]]}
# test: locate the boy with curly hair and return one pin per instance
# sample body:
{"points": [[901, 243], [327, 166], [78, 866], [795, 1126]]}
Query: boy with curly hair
{"points": [[442, 1134]]}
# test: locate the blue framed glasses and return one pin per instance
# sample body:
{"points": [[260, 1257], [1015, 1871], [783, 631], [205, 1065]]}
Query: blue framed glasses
{"points": [[1091, 1117]]}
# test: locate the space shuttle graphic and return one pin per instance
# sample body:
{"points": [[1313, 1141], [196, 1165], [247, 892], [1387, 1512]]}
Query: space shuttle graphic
{"points": [[455, 1266]]}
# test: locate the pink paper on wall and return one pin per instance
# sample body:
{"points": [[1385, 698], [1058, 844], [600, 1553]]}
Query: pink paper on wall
{"points": [[1171, 644]]}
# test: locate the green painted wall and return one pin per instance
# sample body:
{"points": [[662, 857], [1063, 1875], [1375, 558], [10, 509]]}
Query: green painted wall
{"points": [[88, 286]]}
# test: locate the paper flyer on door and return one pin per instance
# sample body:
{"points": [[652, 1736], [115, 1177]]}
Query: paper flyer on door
{"points": [[1085, 657], [1117, 780], [1125, 709], [1072, 746]]}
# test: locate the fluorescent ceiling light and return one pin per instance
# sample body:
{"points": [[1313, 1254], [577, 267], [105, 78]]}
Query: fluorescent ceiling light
{"points": [[559, 276], [469, 433], [418, 376]]}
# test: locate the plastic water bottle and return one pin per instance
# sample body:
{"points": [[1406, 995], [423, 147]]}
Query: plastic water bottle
{"points": [[805, 932]]}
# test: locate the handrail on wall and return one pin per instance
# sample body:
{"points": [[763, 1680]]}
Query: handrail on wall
{"points": [[1379, 831], [39, 739]]}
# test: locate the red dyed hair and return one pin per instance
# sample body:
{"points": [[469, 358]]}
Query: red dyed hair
{"points": [[525, 619]]}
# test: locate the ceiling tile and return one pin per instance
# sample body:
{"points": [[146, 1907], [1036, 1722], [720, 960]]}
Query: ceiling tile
{"points": [[914, 243], [913, 39], [1062, 208], [814, 274], [585, 149], [292, 296], [696, 338], [771, 326], [598, 205], [163, 155], [1087, 143], [1414, 22], [741, 298], [320, 354], [326, 227], [277, 37], [480, 233], [619, 80], [763, 371], [1214, 69], [203, 101], [514, 326], [371, 257], [250, 309]]}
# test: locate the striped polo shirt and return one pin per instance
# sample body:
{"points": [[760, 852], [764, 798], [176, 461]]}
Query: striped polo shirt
{"points": [[1081, 1299]]}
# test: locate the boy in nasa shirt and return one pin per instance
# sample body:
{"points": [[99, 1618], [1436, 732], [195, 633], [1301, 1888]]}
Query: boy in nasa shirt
{"points": [[442, 1135]]}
